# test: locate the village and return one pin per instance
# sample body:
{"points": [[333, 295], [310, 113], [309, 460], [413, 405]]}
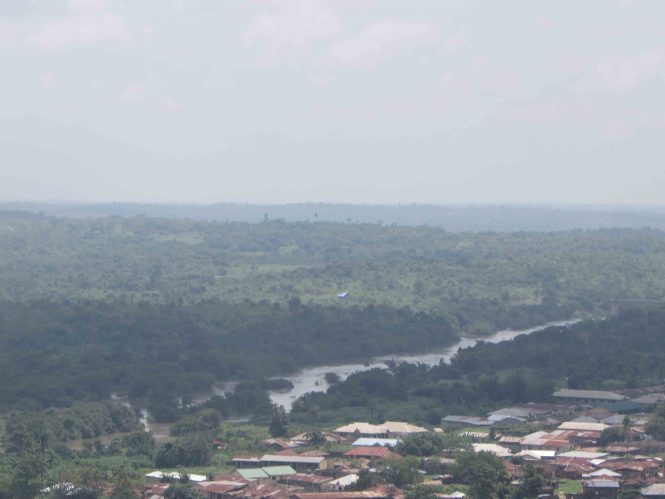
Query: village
{"points": [[588, 443]]}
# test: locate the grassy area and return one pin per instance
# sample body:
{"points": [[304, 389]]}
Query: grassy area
{"points": [[570, 486]]}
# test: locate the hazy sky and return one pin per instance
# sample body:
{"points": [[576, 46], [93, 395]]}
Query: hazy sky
{"points": [[377, 101]]}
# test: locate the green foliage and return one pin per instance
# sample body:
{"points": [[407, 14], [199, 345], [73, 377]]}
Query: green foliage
{"points": [[521, 370], [421, 491], [531, 483], [31, 431], [422, 444], [205, 420], [162, 353], [611, 435], [483, 472], [124, 481], [195, 451], [279, 422], [656, 425], [182, 491], [400, 472]]}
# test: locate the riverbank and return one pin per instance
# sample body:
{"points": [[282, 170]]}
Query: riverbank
{"points": [[312, 379]]}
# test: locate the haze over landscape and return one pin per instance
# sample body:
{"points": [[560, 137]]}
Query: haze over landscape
{"points": [[332, 101]]}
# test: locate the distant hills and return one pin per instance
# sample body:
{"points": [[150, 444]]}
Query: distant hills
{"points": [[453, 218]]}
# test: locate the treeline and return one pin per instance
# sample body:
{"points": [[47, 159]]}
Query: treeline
{"points": [[622, 352], [28, 431], [57, 353], [455, 218]]}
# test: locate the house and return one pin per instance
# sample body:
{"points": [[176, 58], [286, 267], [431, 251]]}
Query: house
{"points": [[586, 396], [601, 488], [246, 461], [656, 491], [261, 490], [265, 472], [622, 450], [174, 475], [495, 449], [650, 399], [555, 440], [306, 481], [583, 426], [603, 473], [219, 489], [376, 442], [296, 462], [156, 491], [343, 482], [465, 420], [636, 468], [380, 492], [385, 430], [537, 454], [528, 411], [372, 453]]}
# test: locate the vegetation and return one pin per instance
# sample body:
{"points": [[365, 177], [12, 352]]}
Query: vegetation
{"points": [[162, 353], [480, 281], [625, 351], [483, 472], [656, 425]]}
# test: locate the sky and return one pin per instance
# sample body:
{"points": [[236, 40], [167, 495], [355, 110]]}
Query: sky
{"points": [[358, 101]]}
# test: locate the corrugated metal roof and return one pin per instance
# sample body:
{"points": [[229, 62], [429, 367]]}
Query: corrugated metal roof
{"points": [[602, 484], [656, 489], [278, 470], [371, 442], [272, 458], [398, 427], [252, 473], [587, 394], [572, 425]]}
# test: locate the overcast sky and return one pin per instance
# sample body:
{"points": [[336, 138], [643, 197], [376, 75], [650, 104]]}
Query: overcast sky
{"points": [[374, 101]]}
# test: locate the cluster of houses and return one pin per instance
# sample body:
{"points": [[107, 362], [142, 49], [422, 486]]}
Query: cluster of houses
{"points": [[567, 446], [291, 473]]}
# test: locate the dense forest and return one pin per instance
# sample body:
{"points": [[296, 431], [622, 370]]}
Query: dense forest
{"points": [[58, 353], [625, 351], [478, 281]]}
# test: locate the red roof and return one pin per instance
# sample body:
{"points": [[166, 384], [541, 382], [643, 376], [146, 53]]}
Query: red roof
{"points": [[222, 486], [372, 452]]}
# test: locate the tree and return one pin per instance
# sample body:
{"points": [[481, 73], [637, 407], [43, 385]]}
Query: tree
{"points": [[28, 477], [279, 422], [531, 484], [626, 429], [316, 438], [610, 435], [421, 444], [182, 491], [656, 425], [483, 472], [401, 472], [123, 480], [421, 491]]}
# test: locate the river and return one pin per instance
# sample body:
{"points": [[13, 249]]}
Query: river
{"points": [[311, 379]]}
